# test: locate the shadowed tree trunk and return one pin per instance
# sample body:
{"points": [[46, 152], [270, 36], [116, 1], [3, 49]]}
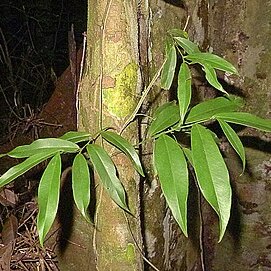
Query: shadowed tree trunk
{"points": [[240, 31], [124, 50]]}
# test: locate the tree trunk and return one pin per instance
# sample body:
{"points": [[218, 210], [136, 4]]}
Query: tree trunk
{"points": [[109, 93], [125, 49]]}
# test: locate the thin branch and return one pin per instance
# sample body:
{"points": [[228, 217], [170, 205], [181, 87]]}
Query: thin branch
{"points": [[142, 98]]}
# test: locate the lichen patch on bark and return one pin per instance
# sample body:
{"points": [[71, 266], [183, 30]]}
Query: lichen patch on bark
{"points": [[120, 100]]}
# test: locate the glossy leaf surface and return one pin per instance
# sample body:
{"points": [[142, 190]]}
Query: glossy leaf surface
{"points": [[188, 46], [246, 119], [107, 172], [162, 107], [214, 61], [188, 154], [81, 184], [41, 145], [48, 196], [184, 89], [126, 147], [206, 110], [76, 137], [212, 174], [172, 170], [165, 119], [24, 166], [211, 77], [168, 71], [234, 140]]}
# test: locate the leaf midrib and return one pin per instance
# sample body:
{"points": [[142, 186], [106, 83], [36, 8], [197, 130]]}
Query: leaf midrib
{"points": [[205, 156]]}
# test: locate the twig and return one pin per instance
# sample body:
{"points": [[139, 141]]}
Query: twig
{"points": [[142, 98], [202, 261], [186, 23], [80, 78], [137, 245], [104, 20], [105, 17]]}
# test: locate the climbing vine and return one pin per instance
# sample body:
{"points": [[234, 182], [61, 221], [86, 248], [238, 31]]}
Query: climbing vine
{"points": [[172, 159]]}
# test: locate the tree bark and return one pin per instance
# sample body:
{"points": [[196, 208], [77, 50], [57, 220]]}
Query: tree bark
{"points": [[238, 31], [109, 93], [125, 49]]}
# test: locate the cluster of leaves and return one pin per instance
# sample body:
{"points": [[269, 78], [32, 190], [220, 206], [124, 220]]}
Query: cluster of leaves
{"points": [[171, 158], [90, 156]]}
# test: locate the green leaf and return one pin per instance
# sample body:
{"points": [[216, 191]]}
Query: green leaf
{"points": [[211, 77], [126, 147], [48, 196], [76, 137], [212, 174], [41, 145], [234, 140], [23, 167], [189, 46], [214, 61], [168, 44], [169, 68], [176, 32], [184, 89], [167, 117], [245, 119], [162, 107], [188, 154], [107, 172], [81, 184], [172, 170], [207, 109]]}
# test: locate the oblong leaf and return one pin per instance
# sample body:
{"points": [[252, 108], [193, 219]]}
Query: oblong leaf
{"points": [[189, 46], [81, 184], [167, 117], [207, 109], [161, 108], [214, 61], [176, 32], [44, 144], [188, 154], [126, 147], [212, 174], [211, 77], [184, 89], [245, 119], [76, 137], [48, 196], [168, 71], [24, 166], [107, 172], [172, 170], [234, 140]]}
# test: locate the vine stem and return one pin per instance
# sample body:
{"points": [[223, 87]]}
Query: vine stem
{"points": [[103, 26], [137, 245], [201, 246], [142, 98]]}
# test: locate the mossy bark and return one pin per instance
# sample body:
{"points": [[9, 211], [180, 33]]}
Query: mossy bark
{"points": [[109, 93], [125, 49]]}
